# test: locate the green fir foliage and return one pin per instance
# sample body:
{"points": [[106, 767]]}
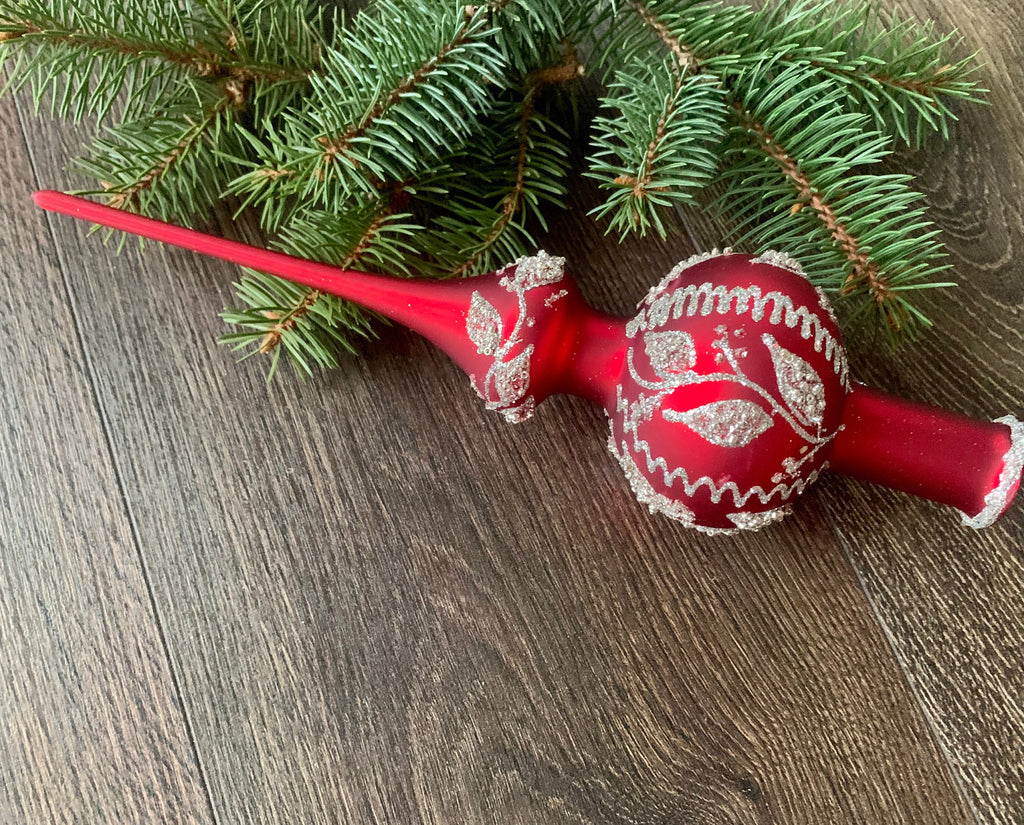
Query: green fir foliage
{"points": [[309, 326], [656, 146], [792, 180], [400, 89], [812, 96], [431, 136]]}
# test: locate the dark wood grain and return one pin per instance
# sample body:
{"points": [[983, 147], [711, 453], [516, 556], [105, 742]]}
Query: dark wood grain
{"points": [[948, 598], [382, 605], [950, 603], [90, 725]]}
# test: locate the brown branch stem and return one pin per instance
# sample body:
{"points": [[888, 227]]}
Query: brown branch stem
{"points": [[926, 87], [536, 82], [290, 317], [685, 57], [199, 60], [686, 61], [129, 196], [863, 269], [333, 147]]}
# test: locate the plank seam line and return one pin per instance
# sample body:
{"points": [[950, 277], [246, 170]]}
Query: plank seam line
{"points": [[911, 683], [90, 374]]}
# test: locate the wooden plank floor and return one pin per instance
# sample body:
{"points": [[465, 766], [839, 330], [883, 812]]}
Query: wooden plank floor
{"points": [[362, 600]]}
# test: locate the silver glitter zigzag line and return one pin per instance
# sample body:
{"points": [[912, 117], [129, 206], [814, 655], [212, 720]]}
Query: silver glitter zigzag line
{"points": [[690, 487], [705, 298]]}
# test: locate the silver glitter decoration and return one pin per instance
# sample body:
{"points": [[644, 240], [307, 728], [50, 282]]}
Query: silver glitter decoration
{"points": [[555, 297], [678, 270], [755, 521], [731, 423], [826, 305], [672, 356], [671, 353], [715, 490], [643, 408], [512, 378], [773, 257], [483, 325], [727, 427], [1013, 464], [646, 494], [706, 299], [507, 381], [801, 387], [636, 412], [791, 264], [775, 307], [518, 414], [676, 510]]}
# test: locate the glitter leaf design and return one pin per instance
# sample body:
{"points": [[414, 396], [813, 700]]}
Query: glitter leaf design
{"points": [[801, 387], [512, 378], [732, 423], [671, 353], [483, 325]]}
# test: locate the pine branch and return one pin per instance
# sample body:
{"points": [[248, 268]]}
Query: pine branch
{"points": [[341, 145], [309, 298], [163, 164], [691, 33], [530, 144], [862, 269], [86, 53], [413, 134], [406, 86], [311, 326], [684, 56], [857, 233], [658, 149], [194, 59], [531, 33], [893, 69], [780, 74], [462, 225]]}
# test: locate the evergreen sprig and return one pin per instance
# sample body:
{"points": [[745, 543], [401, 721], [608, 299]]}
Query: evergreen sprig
{"points": [[892, 68], [474, 221], [811, 97], [657, 145], [428, 137], [403, 88], [161, 164], [791, 178], [311, 326], [487, 215]]}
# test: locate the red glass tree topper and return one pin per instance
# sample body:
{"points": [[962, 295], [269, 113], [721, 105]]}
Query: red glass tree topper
{"points": [[728, 392]]}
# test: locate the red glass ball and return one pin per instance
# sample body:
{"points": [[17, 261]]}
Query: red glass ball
{"points": [[731, 391]]}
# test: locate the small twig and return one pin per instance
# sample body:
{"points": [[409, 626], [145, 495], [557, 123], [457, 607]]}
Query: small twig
{"points": [[686, 63], [536, 82], [685, 57], [569, 69], [200, 61], [926, 87], [641, 184], [289, 318], [339, 145], [129, 196], [863, 269]]}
